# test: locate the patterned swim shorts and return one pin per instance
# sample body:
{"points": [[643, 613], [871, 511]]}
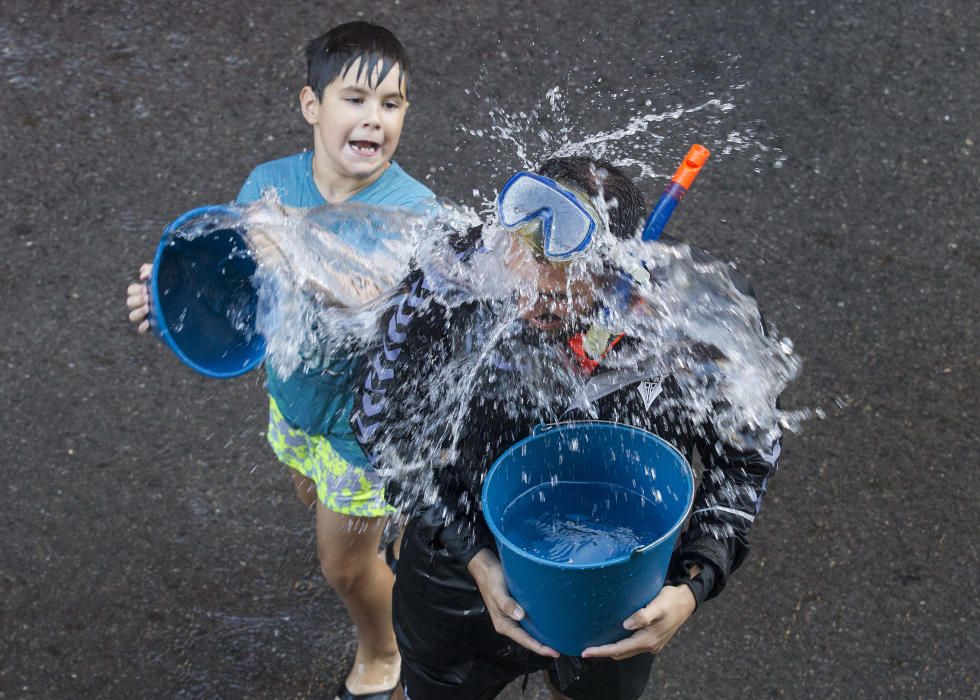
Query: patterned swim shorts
{"points": [[340, 486]]}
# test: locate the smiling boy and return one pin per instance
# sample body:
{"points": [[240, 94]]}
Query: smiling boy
{"points": [[355, 100], [357, 115]]}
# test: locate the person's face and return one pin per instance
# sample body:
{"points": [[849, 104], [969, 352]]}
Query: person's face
{"points": [[356, 127], [552, 301]]}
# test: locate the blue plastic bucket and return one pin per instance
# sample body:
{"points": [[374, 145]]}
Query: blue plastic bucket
{"points": [[585, 516], [202, 301]]}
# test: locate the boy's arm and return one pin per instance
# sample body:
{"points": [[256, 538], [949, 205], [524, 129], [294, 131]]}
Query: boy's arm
{"points": [[714, 544]]}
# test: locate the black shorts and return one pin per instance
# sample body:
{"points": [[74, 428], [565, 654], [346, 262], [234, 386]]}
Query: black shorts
{"points": [[451, 651]]}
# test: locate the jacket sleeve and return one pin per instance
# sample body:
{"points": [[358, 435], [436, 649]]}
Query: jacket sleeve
{"points": [[393, 422], [727, 502], [388, 400], [394, 419]]}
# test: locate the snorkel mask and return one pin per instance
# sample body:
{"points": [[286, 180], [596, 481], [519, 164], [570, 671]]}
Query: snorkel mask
{"points": [[562, 225], [549, 216]]}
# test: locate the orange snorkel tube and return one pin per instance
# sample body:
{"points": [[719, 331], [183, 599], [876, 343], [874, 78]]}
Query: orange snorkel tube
{"points": [[676, 189]]}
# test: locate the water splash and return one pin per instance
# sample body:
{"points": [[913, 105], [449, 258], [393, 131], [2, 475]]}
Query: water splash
{"points": [[689, 317], [336, 271], [556, 126], [325, 276]]}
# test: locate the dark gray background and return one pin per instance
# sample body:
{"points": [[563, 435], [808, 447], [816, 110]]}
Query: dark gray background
{"points": [[151, 546]]}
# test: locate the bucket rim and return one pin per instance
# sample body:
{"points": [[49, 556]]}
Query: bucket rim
{"points": [[158, 317], [575, 425]]}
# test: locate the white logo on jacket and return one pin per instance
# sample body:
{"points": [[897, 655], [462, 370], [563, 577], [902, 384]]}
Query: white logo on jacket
{"points": [[607, 383], [649, 390]]}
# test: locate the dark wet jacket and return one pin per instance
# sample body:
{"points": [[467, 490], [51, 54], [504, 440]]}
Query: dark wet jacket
{"points": [[394, 415]]}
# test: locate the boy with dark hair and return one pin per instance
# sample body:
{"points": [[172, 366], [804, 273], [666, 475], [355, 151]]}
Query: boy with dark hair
{"points": [[355, 99], [457, 626]]}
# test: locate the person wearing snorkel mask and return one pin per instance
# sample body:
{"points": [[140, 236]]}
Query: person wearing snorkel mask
{"points": [[457, 627]]}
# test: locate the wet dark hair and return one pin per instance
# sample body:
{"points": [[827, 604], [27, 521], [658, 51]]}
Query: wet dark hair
{"points": [[624, 201], [331, 55]]}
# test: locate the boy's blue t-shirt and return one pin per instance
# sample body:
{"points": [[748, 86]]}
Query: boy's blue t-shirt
{"points": [[319, 403]]}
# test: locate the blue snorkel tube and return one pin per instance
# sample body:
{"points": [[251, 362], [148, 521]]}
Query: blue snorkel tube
{"points": [[676, 189]]}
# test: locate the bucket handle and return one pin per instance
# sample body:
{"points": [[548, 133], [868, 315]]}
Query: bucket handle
{"points": [[687, 516], [541, 428]]}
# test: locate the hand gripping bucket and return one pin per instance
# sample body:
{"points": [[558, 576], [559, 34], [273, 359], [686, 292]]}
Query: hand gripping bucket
{"points": [[202, 302], [604, 475]]}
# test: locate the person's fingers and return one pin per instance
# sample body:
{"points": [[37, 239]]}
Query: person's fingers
{"points": [[136, 301], [645, 616], [143, 327], [139, 314], [509, 607], [146, 269], [623, 649], [517, 633], [506, 624], [504, 610]]}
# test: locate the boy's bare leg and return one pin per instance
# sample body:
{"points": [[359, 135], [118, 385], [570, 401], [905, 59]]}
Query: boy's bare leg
{"points": [[348, 550], [305, 488]]}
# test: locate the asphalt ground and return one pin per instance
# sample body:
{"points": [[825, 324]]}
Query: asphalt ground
{"points": [[152, 547]]}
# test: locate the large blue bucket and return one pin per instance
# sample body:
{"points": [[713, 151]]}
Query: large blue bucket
{"points": [[585, 516], [202, 301]]}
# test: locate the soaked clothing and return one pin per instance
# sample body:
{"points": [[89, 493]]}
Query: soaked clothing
{"points": [[313, 407], [396, 407], [341, 486]]}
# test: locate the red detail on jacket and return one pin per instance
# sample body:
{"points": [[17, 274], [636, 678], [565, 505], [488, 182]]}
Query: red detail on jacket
{"points": [[588, 365]]}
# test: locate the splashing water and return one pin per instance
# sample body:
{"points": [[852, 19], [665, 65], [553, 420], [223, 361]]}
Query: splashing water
{"points": [[554, 127], [335, 272], [325, 276], [329, 284], [691, 321]]}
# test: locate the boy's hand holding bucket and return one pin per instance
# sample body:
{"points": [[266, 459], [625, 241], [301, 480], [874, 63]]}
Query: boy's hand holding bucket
{"points": [[549, 503], [504, 611], [138, 299], [655, 625]]}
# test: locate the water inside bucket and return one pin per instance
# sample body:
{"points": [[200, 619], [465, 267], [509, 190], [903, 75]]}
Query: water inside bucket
{"points": [[570, 522]]}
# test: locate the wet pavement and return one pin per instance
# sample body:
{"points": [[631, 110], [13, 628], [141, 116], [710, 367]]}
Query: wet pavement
{"points": [[153, 548]]}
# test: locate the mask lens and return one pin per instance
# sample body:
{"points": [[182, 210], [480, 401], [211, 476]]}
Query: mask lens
{"points": [[566, 227]]}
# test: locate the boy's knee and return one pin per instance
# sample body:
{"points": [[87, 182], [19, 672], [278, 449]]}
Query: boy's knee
{"points": [[347, 547], [345, 569]]}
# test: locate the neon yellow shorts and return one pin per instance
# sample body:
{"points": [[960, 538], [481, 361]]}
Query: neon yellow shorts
{"points": [[340, 486]]}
